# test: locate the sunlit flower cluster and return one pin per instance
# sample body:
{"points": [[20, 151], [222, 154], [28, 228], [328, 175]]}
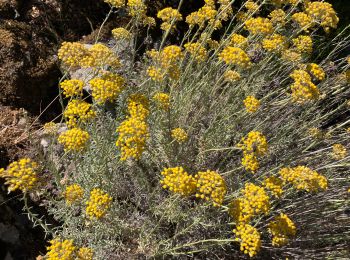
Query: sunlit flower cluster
{"points": [[107, 87], [275, 43], [100, 56], [137, 9], [74, 139], [132, 136], [72, 87], [178, 180], [339, 151], [78, 111], [211, 187], [274, 185], [169, 16], [238, 40], [259, 25], [202, 16], [85, 253], [98, 204], [303, 89], [121, 33], [235, 56], [61, 250], [162, 100], [277, 17], [50, 128], [73, 193], [197, 51], [303, 44], [179, 135], [303, 178], [282, 228], [316, 71], [323, 13], [251, 104], [138, 106], [251, 6], [303, 20], [231, 75], [115, 3], [249, 238], [72, 53], [20, 175]]}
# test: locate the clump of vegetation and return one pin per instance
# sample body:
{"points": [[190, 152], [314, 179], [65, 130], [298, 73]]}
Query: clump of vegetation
{"points": [[211, 147]]}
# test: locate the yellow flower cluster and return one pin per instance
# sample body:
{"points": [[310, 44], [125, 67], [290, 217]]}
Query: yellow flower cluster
{"points": [[275, 43], [73, 193], [50, 128], [238, 40], [138, 106], [205, 14], [316, 71], [303, 178], [137, 8], [303, 20], [178, 180], [169, 16], [163, 100], [78, 110], [211, 186], [339, 151], [249, 238], [100, 56], [74, 139], [303, 44], [315, 132], [291, 56], [250, 162], [277, 17], [107, 87], [254, 202], [85, 253], [198, 52], [60, 250], [166, 61], [323, 13], [274, 185], [98, 204], [20, 175], [231, 75], [259, 25], [72, 53], [253, 145], [121, 33], [251, 6], [255, 142], [235, 56], [72, 87], [251, 104], [115, 3], [179, 135], [282, 229], [132, 136], [303, 89]]}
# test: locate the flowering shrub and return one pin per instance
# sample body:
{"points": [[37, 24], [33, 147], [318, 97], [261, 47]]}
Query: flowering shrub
{"points": [[262, 88]]}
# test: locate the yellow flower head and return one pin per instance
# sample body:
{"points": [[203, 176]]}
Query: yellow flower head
{"points": [[132, 136], [138, 106], [250, 162], [235, 56], [277, 17], [72, 53], [282, 229], [121, 33], [137, 8], [211, 187], [249, 238], [303, 44], [259, 25], [78, 111], [316, 71], [339, 151], [20, 175], [179, 135], [238, 40], [275, 43], [73, 193], [274, 185], [303, 20], [251, 104], [74, 139], [107, 87], [115, 3], [85, 253], [50, 128], [323, 13], [60, 250], [162, 100], [178, 181], [255, 142], [196, 50], [72, 87], [169, 16], [231, 76], [98, 204], [303, 90], [100, 56]]}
